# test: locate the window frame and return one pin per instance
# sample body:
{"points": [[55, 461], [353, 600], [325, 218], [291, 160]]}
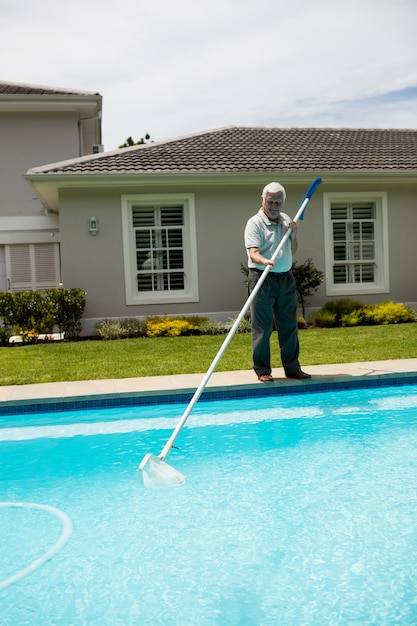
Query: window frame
{"points": [[190, 292], [381, 283]]}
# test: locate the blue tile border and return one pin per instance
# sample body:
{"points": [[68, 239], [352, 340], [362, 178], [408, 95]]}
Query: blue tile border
{"points": [[53, 405]]}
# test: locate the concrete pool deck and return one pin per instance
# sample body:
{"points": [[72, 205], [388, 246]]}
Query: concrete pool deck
{"points": [[188, 383]]}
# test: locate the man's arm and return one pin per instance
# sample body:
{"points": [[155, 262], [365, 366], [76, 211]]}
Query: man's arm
{"points": [[258, 258], [294, 242]]}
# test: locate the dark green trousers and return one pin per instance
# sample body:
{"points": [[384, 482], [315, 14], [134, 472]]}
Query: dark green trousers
{"points": [[275, 302]]}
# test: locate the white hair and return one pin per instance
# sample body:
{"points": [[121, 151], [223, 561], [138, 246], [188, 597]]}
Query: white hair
{"points": [[273, 188]]}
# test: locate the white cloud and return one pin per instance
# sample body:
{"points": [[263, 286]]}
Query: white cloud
{"points": [[174, 67]]}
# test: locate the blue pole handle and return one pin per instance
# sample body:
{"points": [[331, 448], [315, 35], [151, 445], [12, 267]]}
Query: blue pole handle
{"points": [[316, 182]]}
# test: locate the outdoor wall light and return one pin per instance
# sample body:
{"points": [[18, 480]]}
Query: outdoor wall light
{"points": [[93, 226]]}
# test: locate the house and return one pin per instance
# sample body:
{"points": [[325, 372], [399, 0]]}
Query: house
{"points": [[157, 229], [37, 125]]}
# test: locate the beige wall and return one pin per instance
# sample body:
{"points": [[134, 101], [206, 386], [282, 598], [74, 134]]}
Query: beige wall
{"points": [[402, 224], [30, 139], [93, 263], [220, 220], [96, 263], [402, 246]]}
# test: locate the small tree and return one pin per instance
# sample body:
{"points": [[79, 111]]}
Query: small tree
{"points": [[308, 279], [129, 141]]}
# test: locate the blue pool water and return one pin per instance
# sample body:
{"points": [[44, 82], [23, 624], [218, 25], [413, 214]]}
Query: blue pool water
{"points": [[297, 510]]}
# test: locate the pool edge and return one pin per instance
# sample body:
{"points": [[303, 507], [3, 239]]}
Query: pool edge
{"points": [[221, 390]]}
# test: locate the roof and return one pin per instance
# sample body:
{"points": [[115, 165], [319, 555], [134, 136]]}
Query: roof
{"points": [[237, 149], [23, 89]]}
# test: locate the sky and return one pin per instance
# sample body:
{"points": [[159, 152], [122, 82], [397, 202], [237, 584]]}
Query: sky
{"points": [[176, 67]]}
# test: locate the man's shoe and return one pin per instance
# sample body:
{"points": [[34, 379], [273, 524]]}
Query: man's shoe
{"points": [[265, 378], [299, 375]]}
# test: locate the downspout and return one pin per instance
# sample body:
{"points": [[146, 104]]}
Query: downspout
{"points": [[80, 130]]}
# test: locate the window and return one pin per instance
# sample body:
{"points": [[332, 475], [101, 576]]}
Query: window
{"points": [[356, 243], [159, 249], [32, 267]]}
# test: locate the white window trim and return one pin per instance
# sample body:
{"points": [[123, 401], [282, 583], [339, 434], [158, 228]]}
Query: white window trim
{"points": [[190, 293], [381, 284]]}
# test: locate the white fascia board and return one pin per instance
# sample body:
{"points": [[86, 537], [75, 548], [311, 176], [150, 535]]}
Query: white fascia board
{"points": [[85, 105], [29, 229]]}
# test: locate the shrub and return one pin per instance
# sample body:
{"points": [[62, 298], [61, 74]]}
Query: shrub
{"points": [[354, 318], [389, 313], [133, 327], [196, 320], [32, 315], [346, 312], [166, 327], [324, 319], [244, 326], [120, 329], [110, 329], [7, 307], [341, 307], [211, 327], [68, 307], [156, 326], [29, 336], [5, 334], [301, 323]]}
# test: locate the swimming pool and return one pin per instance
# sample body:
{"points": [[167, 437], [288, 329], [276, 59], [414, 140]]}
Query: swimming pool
{"points": [[297, 509]]}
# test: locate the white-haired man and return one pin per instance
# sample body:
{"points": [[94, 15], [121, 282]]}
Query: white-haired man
{"points": [[276, 301]]}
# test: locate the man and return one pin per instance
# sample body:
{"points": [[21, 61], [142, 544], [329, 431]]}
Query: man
{"points": [[276, 301]]}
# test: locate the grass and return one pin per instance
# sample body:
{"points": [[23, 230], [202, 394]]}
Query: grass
{"points": [[126, 358]]}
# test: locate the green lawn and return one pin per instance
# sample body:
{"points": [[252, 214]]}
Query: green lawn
{"points": [[99, 359]]}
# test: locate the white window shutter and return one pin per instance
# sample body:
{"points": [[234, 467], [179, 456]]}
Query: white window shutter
{"points": [[33, 267], [46, 257]]}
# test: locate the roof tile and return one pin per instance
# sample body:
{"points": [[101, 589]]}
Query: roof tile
{"points": [[22, 89], [250, 149]]}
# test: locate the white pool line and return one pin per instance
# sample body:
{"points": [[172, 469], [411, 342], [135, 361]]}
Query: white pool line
{"points": [[58, 431], [65, 536]]}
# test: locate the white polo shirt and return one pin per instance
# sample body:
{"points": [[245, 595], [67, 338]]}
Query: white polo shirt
{"points": [[261, 233]]}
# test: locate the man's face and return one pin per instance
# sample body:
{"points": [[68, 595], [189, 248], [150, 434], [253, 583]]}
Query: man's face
{"points": [[272, 204]]}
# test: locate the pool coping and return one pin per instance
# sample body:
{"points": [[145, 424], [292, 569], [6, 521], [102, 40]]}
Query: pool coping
{"points": [[49, 397]]}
